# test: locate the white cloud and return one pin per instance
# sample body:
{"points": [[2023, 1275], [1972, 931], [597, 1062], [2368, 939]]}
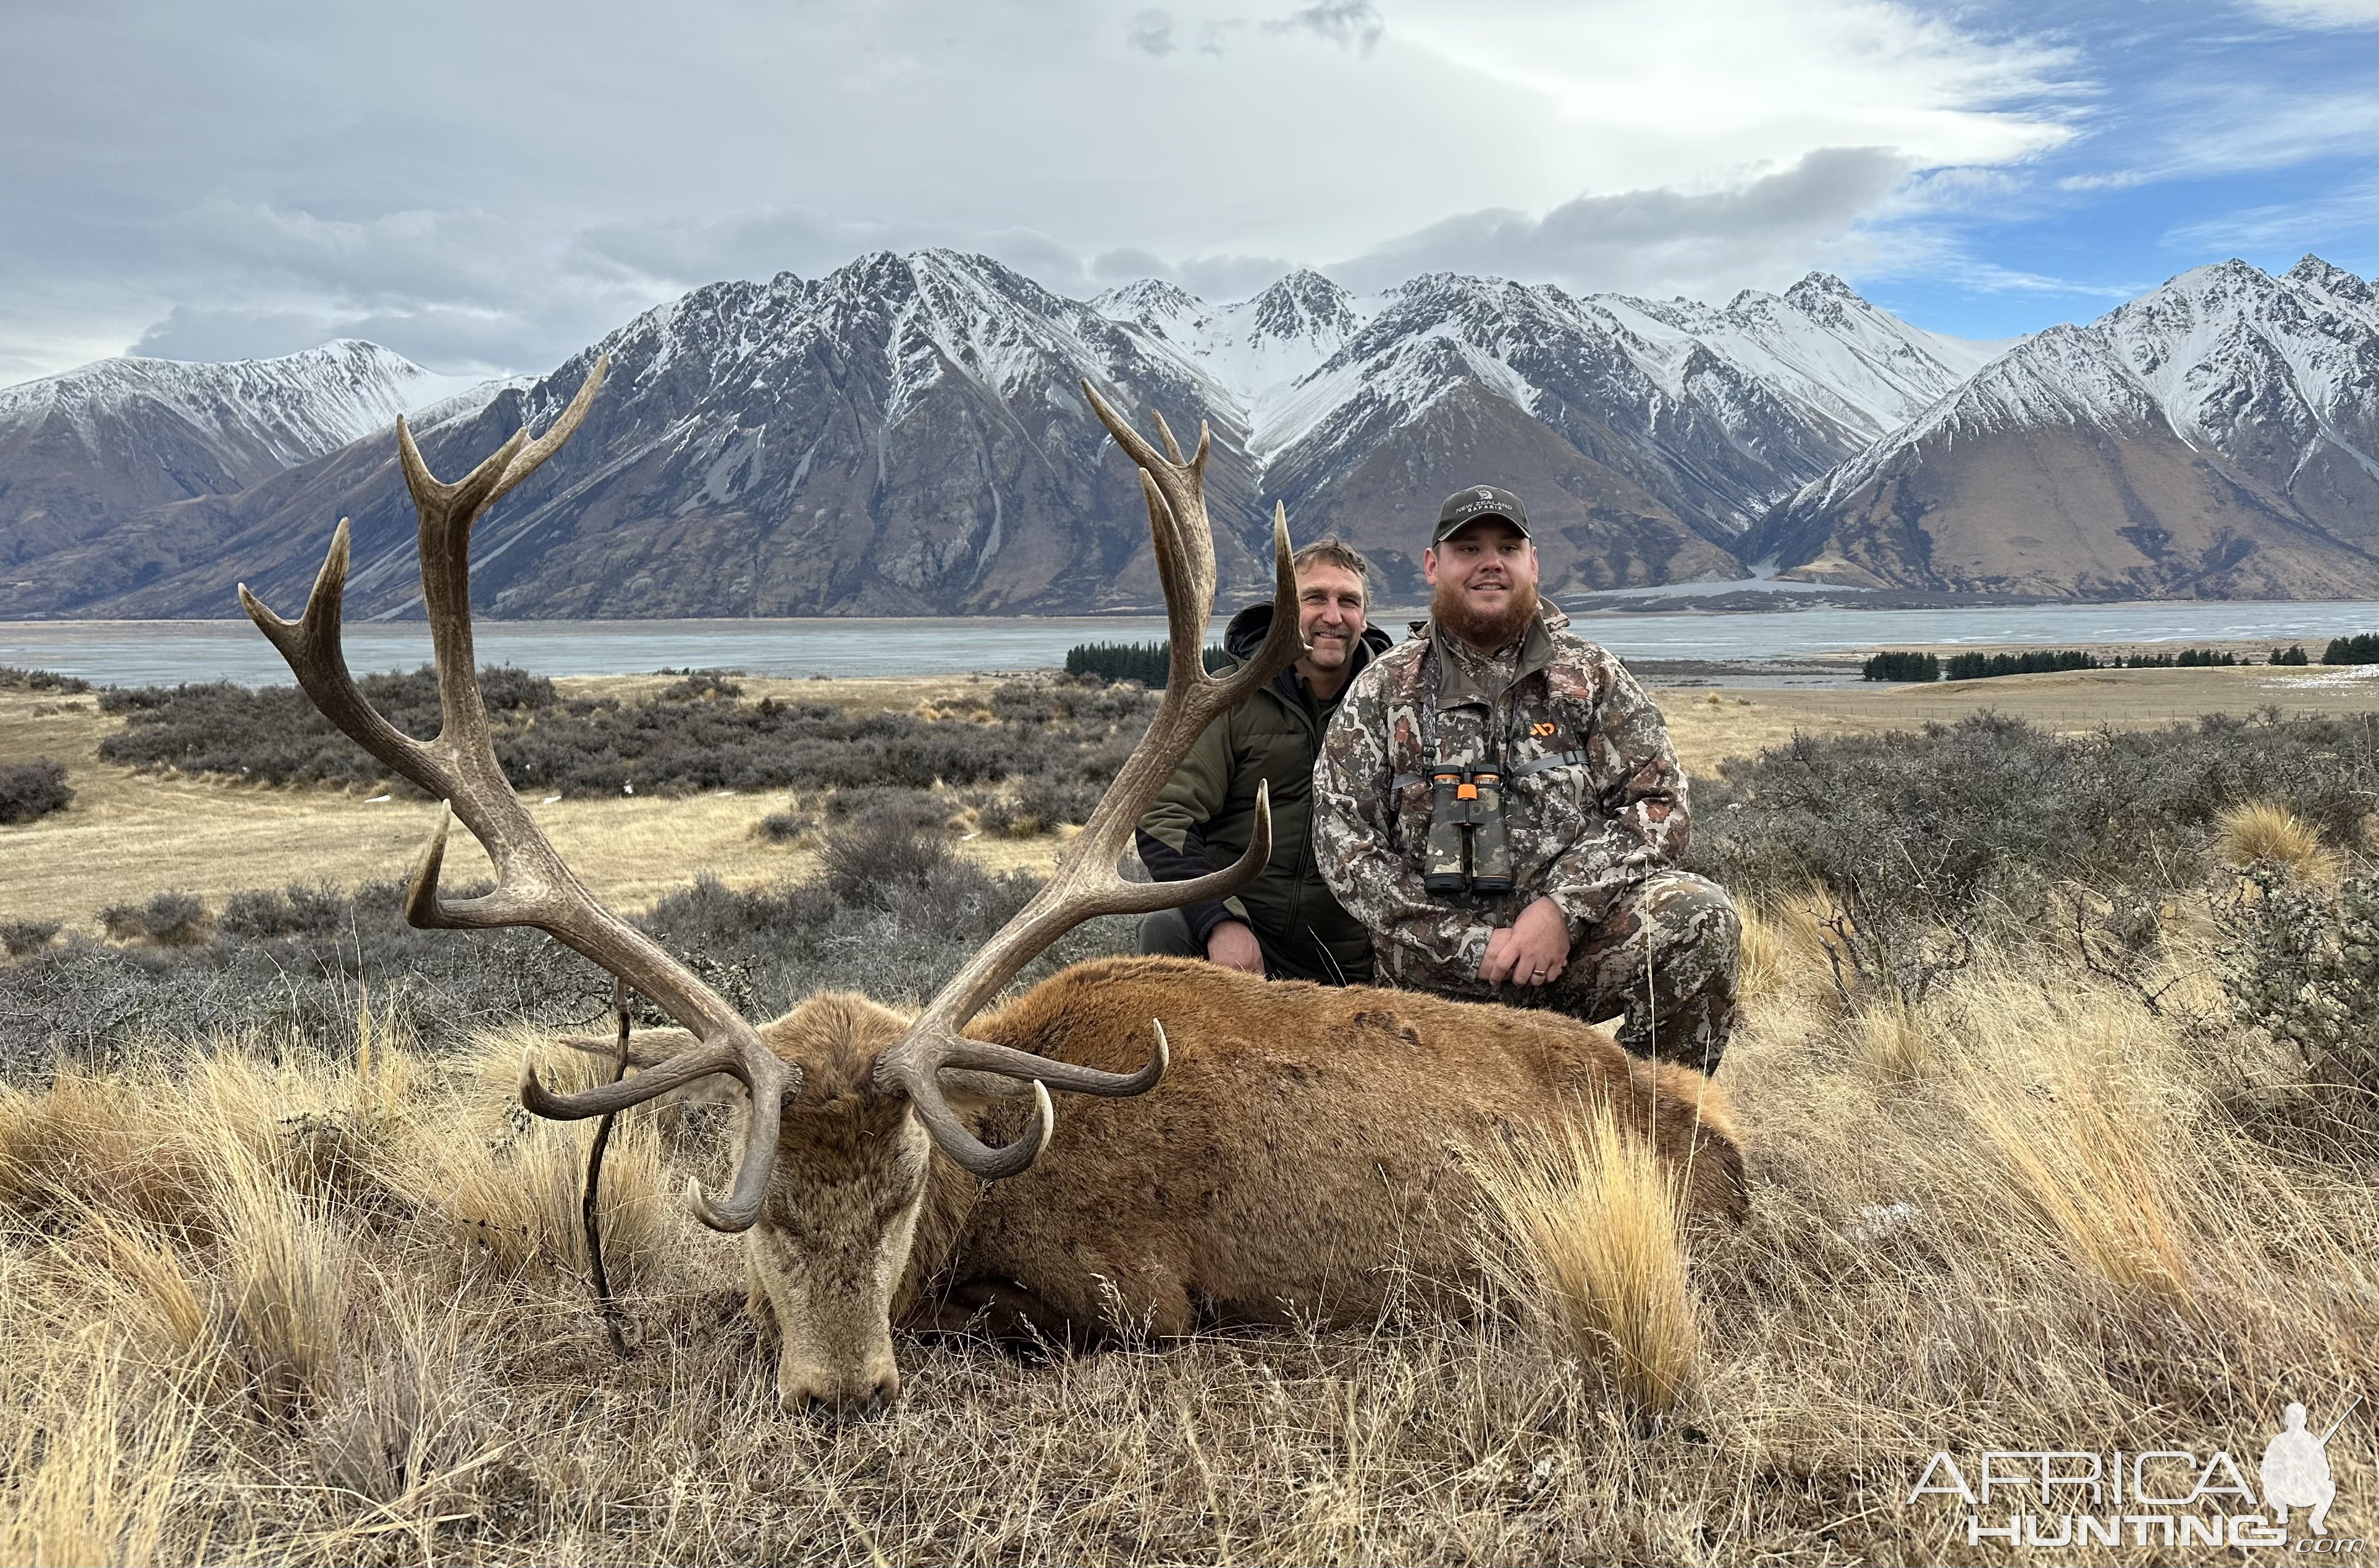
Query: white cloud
{"points": [[1766, 231], [1356, 23], [495, 186], [2318, 15], [1151, 32], [2321, 221]]}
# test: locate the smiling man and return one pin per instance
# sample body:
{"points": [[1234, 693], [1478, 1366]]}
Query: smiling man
{"points": [[1498, 802], [1286, 924]]}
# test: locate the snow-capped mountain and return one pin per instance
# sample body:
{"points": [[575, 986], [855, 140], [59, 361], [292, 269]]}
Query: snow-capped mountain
{"points": [[907, 436], [83, 451], [1249, 348], [1646, 436], [2215, 436], [904, 436]]}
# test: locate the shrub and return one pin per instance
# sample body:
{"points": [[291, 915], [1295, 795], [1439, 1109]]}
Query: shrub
{"points": [[274, 734], [31, 790], [13, 678], [764, 948], [171, 919], [784, 827], [1923, 839], [700, 684], [2294, 655], [603, 746], [23, 936], [1903, 667], [861, 863], [909, 808], [2360, 648], [2302, 964], [298, 911]]}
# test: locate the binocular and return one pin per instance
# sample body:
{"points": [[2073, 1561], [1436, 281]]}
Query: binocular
{"points": [[1469, 851]]}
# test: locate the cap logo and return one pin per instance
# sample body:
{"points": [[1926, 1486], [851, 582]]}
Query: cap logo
{"points": [[1486, 494]]}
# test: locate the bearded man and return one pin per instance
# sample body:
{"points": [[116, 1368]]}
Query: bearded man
{"points": [[1498, 802]]}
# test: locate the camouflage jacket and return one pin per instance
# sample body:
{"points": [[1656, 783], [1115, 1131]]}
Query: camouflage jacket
{"points": [[1594, 799]]}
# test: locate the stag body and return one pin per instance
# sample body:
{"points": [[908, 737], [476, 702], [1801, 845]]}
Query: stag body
{"points": [[1308, 1145]]}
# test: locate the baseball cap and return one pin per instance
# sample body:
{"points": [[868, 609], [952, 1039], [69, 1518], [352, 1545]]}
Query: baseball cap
{"points": [[1464, 507]]}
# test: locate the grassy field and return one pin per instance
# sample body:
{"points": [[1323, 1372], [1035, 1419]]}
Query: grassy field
{"points": [[282, 1308], [320, 1295], [129, 834]]}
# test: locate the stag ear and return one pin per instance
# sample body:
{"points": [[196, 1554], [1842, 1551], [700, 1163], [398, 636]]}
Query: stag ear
{"points": [[646, 1047]]}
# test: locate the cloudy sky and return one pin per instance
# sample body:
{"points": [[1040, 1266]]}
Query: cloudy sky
{"points": [[485, 188]]}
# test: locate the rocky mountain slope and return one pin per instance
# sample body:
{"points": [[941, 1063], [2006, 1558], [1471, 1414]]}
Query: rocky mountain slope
{"points": [[2215, 438], [906, 436], [1646, 435], [83, 453]]}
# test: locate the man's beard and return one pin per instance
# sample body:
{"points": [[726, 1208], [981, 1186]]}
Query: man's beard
{"points": [[1488, 633]]}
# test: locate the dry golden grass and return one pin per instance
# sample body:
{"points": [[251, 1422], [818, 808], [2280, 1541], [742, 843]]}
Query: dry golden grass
{"points": [[286, 1267], [2260, 832], [2057, 1234], [1585, 1238], [92, 1481], [513, 1191], [1894, 1039]]}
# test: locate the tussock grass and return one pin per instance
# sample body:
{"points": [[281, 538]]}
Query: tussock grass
{"points": [[2080, 1165], [1760, 973], [1894, 1039], [510, 1188], [2259, 832], [1589, 1247], [286, 1268], [2061, 1234], [93, 1477], [149, 1291]]}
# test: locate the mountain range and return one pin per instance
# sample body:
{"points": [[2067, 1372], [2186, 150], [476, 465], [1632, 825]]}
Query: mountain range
{"points": [[906, 436]]}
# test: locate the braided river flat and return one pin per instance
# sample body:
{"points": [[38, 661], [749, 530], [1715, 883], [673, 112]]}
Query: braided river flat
{"points": [[167, 651]]}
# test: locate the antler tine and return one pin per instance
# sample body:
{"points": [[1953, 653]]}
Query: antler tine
{"points": [[522, 462], [1172, 447], [311, 646], [1084, 884], [535, 885]]}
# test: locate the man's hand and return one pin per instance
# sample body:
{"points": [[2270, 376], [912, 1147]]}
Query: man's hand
{"points": [[1233, 945], [1532, 951]]}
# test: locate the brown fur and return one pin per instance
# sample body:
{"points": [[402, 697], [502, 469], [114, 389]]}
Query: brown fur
{"points": [[1307, 1146]]}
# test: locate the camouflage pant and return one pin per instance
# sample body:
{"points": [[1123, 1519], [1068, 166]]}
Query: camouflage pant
{"points": [[1663, 962]]}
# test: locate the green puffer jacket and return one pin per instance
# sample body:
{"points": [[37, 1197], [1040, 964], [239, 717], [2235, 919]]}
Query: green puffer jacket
{"points": [[1207, 812]]}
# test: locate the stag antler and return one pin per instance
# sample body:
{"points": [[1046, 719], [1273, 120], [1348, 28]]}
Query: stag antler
{"points": [[1084, 884], [534, 887]]}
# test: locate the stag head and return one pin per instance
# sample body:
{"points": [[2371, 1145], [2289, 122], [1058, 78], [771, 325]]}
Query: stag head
{"points": [[849, 1102]]}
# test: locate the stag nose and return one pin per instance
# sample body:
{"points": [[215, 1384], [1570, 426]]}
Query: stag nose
{"points": [[858, 1401]]}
